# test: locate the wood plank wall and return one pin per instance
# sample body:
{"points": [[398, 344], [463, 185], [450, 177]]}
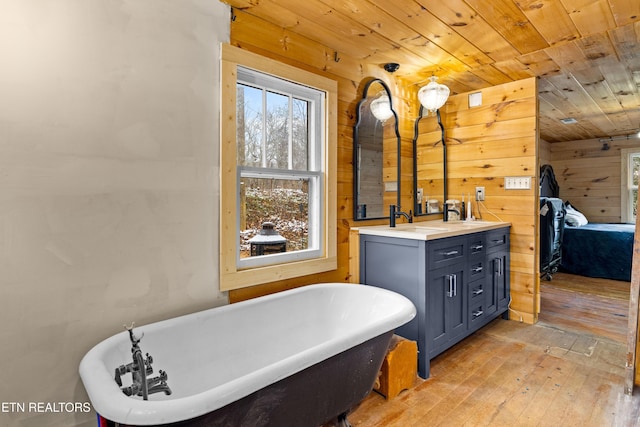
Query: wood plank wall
{"points": [[484, 145], [590, 177], [494, 140], [281, 44]]}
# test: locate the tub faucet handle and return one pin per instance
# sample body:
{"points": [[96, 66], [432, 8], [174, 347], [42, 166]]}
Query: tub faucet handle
{"points": [[134, 340]]}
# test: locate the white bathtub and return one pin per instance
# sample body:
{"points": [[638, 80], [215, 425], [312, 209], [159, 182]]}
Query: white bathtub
{"points": [[216, 357]]}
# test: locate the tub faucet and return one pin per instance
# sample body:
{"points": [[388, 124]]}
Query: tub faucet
{"points": [[140, 368], [395, 213]]}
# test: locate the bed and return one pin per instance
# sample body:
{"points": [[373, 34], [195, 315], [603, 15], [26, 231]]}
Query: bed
{"points": [[587, 249], [598, 250]]}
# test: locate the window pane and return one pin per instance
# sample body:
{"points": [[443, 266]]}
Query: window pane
{"points": [[635, 167], [300, 134], [634, 202], [282, 202], [250, 125], [277, 125]]}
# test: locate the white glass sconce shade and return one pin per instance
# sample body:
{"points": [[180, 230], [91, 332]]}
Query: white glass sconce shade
{"points": [[381, 108], [433, 95]]}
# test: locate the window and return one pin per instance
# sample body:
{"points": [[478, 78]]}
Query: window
{"points": [[278, 156], [630, 172], [279, 168]]}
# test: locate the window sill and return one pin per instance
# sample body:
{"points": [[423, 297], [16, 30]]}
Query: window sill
{"points": [[274, 273]]}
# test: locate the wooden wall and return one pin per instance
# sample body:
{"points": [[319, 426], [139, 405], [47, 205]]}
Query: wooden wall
{"points": [[264, 38], [544, 152], [485, 144], [589, 177]]}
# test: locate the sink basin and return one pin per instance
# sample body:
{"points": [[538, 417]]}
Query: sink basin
{"points": [[476, 223], [418, 229]]}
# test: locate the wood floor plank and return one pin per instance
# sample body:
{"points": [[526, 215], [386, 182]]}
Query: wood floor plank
{"points": [[488, 399], [558, 372], [565, 399], [465, 397], [566, 370], [588, 285], [592, 313], [593, 393]]}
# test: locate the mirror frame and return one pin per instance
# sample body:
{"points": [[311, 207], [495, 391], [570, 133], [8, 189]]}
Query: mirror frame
{"points": [[356, 166], [415, 162]]}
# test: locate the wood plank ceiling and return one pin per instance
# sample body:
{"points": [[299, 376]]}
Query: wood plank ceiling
{"points": [[586, 53]]}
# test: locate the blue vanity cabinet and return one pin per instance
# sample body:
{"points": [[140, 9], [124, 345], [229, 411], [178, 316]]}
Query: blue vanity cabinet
{"points": [[458, 284]]}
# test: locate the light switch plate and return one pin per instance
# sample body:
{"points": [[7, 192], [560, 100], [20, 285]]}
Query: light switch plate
{"points": [[517, 182], [475, 99]]}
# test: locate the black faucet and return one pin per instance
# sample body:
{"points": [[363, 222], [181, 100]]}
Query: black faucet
{"points": [[140, 368], [395, 213], [445, 213]]}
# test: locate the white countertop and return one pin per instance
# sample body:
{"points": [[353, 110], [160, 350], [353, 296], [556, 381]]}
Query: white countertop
{"points": [[430, 230]]}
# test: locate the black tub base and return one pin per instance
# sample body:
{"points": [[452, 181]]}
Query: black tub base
{"points": [[320, 394]]}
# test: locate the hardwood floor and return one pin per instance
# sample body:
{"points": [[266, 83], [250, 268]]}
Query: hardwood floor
{"points": [[557, 372], [585, 305]]}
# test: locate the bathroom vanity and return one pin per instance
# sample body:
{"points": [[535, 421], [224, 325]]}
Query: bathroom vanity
{"points": [[455, 273]]}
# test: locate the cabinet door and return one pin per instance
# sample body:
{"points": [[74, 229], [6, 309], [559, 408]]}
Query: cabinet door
{"points": [[396, 265], [497, 289], [501, 261], [446, 307]]}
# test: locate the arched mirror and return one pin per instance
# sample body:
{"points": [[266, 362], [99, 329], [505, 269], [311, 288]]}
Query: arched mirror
{"points": [[429, 164], [376, 148]]}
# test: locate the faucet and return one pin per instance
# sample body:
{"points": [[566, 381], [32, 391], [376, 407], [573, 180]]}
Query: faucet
{"points": [[445, 213], [140, 369], [395, 213]]}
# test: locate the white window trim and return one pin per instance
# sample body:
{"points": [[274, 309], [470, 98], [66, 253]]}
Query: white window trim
{"points": [[231, 277], [625, 184]]}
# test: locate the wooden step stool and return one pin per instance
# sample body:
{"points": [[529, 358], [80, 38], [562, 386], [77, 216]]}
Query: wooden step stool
{"points": [[399, 368]]}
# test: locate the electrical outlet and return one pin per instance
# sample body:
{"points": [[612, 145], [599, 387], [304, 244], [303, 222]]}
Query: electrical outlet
{"points": [[479, 194]]}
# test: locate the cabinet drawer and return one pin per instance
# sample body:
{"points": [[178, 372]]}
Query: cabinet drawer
{"points": [[476, 269], [476, 313], [498, 239], [476, 292], [446, 252], [477, 245]]}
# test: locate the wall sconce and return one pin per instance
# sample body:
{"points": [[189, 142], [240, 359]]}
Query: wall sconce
{"points": [[434, 95], [381, 107]]}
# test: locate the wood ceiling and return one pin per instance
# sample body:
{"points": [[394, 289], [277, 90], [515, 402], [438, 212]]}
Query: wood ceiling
{"points": [[586, 53]]}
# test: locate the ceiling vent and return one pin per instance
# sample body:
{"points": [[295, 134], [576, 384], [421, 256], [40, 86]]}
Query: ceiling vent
{"points": [[569, 121]]}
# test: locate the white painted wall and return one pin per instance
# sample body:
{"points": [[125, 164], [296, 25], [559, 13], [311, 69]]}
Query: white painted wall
{"points": [[109, 186]]}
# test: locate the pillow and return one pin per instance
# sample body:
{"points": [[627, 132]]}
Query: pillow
{"points": [[574, 217]]}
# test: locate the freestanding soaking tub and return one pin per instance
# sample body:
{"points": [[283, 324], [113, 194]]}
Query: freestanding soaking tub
{"points": [[302, 357]]}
